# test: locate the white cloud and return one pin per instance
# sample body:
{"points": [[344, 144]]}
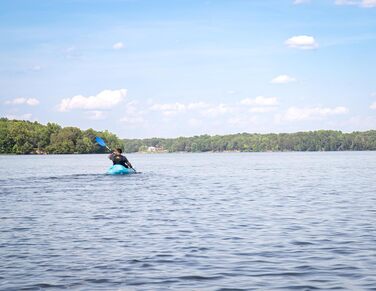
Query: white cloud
{"points": [[260, 101], [302, 42], [26, 116], [259, 104], [308, 113], [368, 3], [197, 105], [103, 100], [297, 2], [36, 68], [361, 3], [264, 109], [217, 110], [21, 101], [169, 109], [373, 106], [32, 101], [117, 46], [346, 2], [283, 79]]}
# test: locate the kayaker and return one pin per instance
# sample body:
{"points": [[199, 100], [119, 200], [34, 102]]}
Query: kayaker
{"points": [[118, 159]]}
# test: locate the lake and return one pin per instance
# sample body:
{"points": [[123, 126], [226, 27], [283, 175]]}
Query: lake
{"points": [[208, 221]]}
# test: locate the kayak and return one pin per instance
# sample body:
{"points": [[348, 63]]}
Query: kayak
{"points": [[120, 170]]}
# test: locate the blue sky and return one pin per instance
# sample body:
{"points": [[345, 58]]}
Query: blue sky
{"points": [[144, 68]]}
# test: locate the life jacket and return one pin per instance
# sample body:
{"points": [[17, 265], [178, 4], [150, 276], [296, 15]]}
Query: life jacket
{"points": [[119, 160]]}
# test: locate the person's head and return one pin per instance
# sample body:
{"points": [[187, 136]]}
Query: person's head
{"points": [[118, 151]]}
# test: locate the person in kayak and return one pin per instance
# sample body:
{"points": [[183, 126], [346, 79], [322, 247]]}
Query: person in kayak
{"points": [[118, 159]]}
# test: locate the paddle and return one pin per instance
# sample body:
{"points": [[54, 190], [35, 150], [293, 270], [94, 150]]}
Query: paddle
{"points": [[101, 142]]}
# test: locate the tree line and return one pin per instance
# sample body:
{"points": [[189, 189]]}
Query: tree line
{"points": [[25, 137], [321, 140]]}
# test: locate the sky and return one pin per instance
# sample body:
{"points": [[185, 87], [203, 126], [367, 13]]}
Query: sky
{"points": [[168, 68]]}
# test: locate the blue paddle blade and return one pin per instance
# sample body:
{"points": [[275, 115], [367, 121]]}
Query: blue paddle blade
{"points": [[100, 141]]}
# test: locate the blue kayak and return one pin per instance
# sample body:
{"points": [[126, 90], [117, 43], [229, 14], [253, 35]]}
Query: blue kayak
{"points": [[120, 170]]}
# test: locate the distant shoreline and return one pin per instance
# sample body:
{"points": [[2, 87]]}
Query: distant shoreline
{"points": [[25, 137], [309, 141], [188, 153]]}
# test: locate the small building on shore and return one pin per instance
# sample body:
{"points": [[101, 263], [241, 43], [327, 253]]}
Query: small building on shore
{"points": [[152, 149]]}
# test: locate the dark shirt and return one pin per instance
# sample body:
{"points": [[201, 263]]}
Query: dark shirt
{"points": [[119, 160]]}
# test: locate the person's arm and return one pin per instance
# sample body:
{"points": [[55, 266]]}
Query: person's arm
{"points": [[127, 162]]}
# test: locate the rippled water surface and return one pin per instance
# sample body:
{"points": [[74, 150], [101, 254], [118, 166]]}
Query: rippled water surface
{"points": [[230, 221]]}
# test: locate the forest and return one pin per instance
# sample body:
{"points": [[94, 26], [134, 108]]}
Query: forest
{"points": [[25, 137], [321, 140]]}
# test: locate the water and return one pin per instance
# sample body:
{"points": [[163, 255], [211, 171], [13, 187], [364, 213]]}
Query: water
{"points": [[266, 221]]}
